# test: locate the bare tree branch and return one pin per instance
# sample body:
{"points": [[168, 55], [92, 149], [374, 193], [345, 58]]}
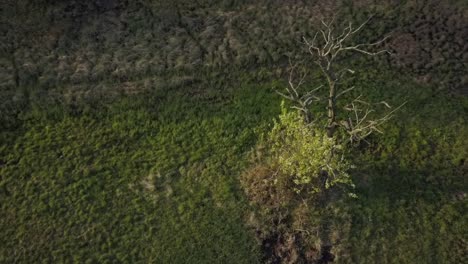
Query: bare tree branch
{"points": [[359, 126], [325, 46]]}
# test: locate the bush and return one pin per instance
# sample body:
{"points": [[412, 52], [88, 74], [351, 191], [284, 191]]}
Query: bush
{"points": [[305, 153]]}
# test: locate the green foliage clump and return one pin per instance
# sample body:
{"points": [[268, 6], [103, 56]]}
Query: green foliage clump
{"points": [[305, 152], [287, 188]]}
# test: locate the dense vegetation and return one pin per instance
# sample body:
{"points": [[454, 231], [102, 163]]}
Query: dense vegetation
{"points": [[129, 150]]}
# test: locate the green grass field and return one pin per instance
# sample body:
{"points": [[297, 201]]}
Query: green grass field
{"points": [[153, 177]]}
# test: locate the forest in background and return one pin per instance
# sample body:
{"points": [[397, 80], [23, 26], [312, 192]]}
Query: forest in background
{"points": [[125, 126]]}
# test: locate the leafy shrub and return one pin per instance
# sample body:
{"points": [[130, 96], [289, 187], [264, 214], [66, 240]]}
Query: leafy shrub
{"points": [[304, 152]]}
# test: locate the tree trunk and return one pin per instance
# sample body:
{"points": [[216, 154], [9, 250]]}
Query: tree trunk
{"points": [[331, 104]]}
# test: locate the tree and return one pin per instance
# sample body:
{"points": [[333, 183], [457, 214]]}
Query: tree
{"points": [[324, 52], [355, 120], [307, 151]]}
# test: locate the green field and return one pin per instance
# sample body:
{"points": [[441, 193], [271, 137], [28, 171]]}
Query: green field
{"points": [[154, 178]]}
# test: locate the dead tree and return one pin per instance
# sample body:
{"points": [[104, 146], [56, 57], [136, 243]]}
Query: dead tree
{"points": [[324, 48], [355, 121]]}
